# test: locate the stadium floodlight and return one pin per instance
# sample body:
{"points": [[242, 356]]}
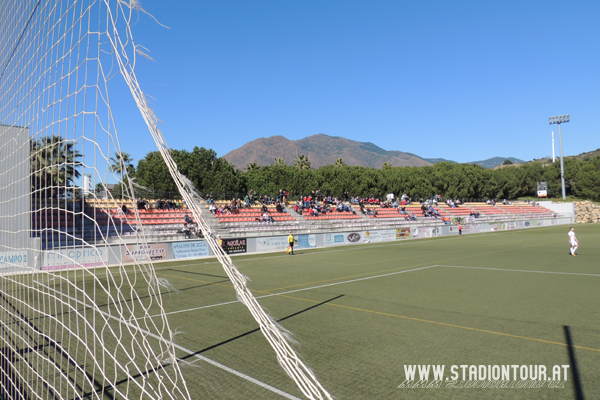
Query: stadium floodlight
{"points": [[561, 119]]}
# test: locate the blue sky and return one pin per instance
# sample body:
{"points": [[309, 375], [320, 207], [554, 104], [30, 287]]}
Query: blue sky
{"points": [[461, 80]]}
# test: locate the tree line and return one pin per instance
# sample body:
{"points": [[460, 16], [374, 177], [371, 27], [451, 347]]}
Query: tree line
{"points": [[55, 161], [212, 174]]}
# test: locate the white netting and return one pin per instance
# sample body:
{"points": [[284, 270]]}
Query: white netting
{"points": [[68, 329]]}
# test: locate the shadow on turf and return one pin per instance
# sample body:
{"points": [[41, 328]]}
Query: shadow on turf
{"points": [[197, 273], [258, 329], [573, 361], [227, 341]]}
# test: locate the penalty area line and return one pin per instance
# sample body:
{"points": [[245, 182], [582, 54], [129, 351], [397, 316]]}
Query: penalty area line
{"points": [[518, 270]]}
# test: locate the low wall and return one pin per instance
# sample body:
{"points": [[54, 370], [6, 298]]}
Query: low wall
{"points": [[197, 248]]}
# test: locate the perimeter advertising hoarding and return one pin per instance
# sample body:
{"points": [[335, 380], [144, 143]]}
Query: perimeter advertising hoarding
{"points": [[141, 252], [234, 246], [306, 242], [403, 233], [335, 239], [385, 235], [425, 232], [75, 258], [13, 259], [273, 243], [191, 249]]}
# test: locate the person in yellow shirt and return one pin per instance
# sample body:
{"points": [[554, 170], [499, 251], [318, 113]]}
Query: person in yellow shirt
{"points": [[291, 243]]}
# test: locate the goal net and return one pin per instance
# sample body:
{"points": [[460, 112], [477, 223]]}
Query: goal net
{"points": [[81, 313]]}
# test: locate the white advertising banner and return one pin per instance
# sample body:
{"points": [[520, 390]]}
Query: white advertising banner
{"points": [[74, 258], [273, 243], [196, 248], [13, 259], [425, 232], [335, 239], [386, 235]]}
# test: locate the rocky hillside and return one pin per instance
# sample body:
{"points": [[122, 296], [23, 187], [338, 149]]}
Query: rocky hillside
{"points": [[321, 150]]}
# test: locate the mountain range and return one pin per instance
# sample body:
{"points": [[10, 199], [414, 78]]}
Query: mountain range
{"points": [[325, 150]]}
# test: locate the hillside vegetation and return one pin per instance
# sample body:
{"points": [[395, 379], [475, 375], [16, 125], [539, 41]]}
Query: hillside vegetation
{"points": [[211, 174]]}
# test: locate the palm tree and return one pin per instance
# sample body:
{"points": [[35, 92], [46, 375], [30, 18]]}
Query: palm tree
{"points": [[120, 163], [252, 167], [339, 163], [302, 162], [280, 161], [54, 162], [386, 165]]}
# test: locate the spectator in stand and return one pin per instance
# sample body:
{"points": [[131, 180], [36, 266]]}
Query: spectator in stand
{"points": [[278, 207], [267, 218], [403, 211], [424, 210], [212, 208], [140, 204], [433, 212], [124, 209]]}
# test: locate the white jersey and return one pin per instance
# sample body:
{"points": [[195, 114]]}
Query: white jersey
{"points": [[572, 238]]}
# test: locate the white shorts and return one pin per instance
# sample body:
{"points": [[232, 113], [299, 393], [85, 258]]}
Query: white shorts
{"points": [[573, 243]]}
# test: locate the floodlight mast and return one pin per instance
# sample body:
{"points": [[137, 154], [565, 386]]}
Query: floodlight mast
{"points": [[561, 119]]}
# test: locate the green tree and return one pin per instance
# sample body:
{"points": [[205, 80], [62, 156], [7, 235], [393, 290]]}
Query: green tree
{"points": [[280, 161], [302, 162], [339, 163], [507, 162], [252, 166], [386, 165]]}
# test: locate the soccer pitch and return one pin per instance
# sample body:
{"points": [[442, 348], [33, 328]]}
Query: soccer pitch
{"points": [[363, 313]]}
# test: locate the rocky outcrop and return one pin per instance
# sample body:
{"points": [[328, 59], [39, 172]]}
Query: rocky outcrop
{"points": [[586, 211]]}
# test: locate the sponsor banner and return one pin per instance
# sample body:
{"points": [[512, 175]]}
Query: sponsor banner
{"points": [[494, 227], [553, 222], [426, 232], [334, 239], [306, 242], [511, 225], [13, 259], [234, 246], [75, 258], [143, 252], [403, 233], [274, 243], [196, 248], [354, 237], [386, 235], [474, 228]]}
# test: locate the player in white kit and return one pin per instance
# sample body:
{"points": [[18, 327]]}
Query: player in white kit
{"points": [[573, 241]]}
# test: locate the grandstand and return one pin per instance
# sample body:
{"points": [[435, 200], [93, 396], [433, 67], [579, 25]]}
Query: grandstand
{"points": [[245, 223]]}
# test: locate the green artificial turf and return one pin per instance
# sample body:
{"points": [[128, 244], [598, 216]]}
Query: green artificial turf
{"points": [[362, 313]]}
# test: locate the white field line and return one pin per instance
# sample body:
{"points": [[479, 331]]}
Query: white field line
{"points": [[188, 351], [296, 290], [518, 270]]}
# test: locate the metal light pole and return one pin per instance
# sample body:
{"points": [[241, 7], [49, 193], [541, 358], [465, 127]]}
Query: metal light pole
{"points": [[561, 119]]}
